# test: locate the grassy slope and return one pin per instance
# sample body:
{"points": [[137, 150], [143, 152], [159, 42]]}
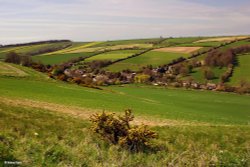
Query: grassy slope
{"points": [[127, 42], [38, 137], [31, 48], [59, 58], [75, 46], [179, 41], [159, 103], [241, 72], [150, 58]]}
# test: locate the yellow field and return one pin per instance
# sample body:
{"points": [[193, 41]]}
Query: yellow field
{"points": [[221, 39], [178, 49], [73, 50]]}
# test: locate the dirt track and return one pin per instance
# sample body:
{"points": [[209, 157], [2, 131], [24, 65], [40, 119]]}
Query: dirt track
{"points": [[85, 113]]}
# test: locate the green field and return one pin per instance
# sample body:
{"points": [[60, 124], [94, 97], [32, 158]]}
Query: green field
{"points": [[127, 42], [236, 44], [153, 58], [203, 44], [242, 71], [75, 47], [59, 58], [32, 48], [38, 137], [179, 41], [198, 106], [198, 75], [114, 55], [44, 122]]}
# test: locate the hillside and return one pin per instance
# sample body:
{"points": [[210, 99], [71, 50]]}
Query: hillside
{"points": [[44, 116], [138, 54]]}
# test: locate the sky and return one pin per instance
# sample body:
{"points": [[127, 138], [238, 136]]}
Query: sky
{"points": [[95, 20]]}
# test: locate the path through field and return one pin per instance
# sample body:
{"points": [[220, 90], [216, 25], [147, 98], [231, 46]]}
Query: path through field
{"points": [[85, 113]]}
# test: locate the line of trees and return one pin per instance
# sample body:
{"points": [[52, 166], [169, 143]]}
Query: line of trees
{"points": [[34, 43]]}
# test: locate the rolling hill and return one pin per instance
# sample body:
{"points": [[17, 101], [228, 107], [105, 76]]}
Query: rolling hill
{"points": [[44, 119]]}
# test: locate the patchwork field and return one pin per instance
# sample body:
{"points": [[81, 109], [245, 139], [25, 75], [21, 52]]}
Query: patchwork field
{"points": [[113, 55], [154, 58], [207, 107], [45, 122]]}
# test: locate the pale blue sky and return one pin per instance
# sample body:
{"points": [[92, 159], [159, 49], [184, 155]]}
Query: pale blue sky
{"points": [[89, 20]]}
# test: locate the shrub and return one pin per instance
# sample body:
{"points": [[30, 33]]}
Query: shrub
{"points": [[142, 78], [117, 130], [13, 57], [26, 61], [138, 138], [208, 74]]}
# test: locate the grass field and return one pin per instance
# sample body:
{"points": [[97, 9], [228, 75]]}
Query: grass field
{"points": [[38, 137], [32, 48], [242, 71], [198, 106], [76, 46], [198, 75], [153, 58], [45, 122], [179, 41], [202, 44], [59, 58], [219, 39], [179, 49], [127, 42], [114, 55], [236, 44], [49, 124]]}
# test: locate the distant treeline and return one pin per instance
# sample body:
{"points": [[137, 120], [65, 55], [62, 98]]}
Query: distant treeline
{"points": [[33, 43]]}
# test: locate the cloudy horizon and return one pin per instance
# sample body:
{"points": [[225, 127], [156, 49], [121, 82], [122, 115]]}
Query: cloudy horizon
{"points": [[98, 20]]}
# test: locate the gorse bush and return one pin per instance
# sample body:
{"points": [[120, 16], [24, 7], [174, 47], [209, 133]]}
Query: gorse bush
{"points": [[117, 130], [138, 138]]}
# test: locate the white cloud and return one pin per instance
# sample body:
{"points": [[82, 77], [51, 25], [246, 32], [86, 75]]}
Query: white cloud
{"points": [[113, 19]]}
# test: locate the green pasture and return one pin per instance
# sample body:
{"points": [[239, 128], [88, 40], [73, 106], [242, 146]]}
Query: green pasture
{"points": [[176, 104], [38, 137], [153, 58], [203, 44], [242, 70], [198, 75], [114, 55]]}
